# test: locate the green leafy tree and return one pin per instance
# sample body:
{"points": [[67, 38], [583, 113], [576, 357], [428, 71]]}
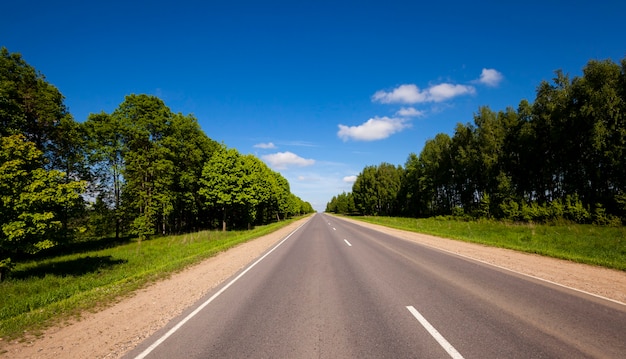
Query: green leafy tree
{"points": [[226, 185], [598, 133], [34, 108], [377, 188], [282, 196], [436, 170], [190, 148], [149, 170], [29, 105], [364, 190], [342, 203], [30, 197], [389, 181], [105, 153]]}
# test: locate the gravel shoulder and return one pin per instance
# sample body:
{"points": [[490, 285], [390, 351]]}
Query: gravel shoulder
{"points": [[115, 330]]}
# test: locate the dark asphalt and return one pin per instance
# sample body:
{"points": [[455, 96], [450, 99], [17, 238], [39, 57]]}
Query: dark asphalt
{"points": [[334, 289]]}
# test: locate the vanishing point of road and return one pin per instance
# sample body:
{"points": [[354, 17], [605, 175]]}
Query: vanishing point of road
{"points": [[333, 289]]}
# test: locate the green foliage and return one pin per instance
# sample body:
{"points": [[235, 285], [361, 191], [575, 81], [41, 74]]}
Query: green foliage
{"points": [[30, 198], [342, 204], [29, 105], [534, 212], [149, 169], [575, 210], [511, 210], [376, 190]]}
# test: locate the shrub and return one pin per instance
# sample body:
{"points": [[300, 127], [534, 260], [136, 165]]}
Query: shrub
{"points": [[511, 210], [575, 210]]}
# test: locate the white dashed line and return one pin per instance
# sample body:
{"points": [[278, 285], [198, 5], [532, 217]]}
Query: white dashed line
{"points": [[348, 243], [432, 331]]}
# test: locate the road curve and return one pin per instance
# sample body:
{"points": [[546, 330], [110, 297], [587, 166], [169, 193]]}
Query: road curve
{"points": [[334, 289]]}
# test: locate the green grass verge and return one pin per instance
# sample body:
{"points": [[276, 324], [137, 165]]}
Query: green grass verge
{"points": [[44, 292], [590, 244]]}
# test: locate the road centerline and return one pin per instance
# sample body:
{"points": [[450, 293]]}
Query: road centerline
{"points": [[435, 334], [348, 243]]}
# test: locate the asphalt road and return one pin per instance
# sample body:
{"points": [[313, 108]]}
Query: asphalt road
{"points": [[333, 289]]}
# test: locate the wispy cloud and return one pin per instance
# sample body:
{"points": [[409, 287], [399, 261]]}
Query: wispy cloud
{"points": [[284, 160], [408, 93], [299, 143], [376, 128], [409, 112], [443, 92], [411, 94], [309, 178], [349, 179], [490, 77], [265, 146]]}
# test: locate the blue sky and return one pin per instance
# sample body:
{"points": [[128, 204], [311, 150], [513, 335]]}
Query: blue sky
{"points": [[316, 89]]}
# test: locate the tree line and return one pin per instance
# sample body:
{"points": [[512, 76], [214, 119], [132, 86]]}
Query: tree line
{"points": [[561, 157], [140, 170]]}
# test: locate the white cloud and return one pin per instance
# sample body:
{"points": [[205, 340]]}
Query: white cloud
{"points": [[410, 93], [442, 92], [283, 160], [265, 146], [376, 128], [309, 178], [299, 143], [349, 179], [490, 77], [409, 112]]}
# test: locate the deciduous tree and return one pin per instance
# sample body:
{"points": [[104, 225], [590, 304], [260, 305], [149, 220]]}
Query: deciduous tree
{"points": [[30, 198]]}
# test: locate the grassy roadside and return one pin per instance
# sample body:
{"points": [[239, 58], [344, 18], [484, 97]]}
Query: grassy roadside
{"points": [[51, 290], [589, 244]]}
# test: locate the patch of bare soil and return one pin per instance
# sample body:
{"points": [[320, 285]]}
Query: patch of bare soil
{"points": [[115, 330]]}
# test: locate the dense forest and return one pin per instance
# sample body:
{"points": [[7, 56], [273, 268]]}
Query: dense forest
{"points": [[562, 157], [140, 170]]}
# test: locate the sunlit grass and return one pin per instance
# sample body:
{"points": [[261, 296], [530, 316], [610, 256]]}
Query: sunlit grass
{"points": [[39, 293], [590, 244]]}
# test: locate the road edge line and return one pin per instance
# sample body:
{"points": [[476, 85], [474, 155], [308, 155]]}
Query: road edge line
{"points": [[598, 296], [170, 332]]}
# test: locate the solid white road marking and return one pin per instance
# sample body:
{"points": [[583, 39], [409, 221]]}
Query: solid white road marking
{"points": [[208, 301], [334, 229], [435, 334], [348, 243]]}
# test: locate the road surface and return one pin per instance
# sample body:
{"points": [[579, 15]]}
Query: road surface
{"points": [[333, 289]]}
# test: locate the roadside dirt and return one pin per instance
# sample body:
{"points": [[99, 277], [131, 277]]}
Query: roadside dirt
{"points": [[115, 330]]}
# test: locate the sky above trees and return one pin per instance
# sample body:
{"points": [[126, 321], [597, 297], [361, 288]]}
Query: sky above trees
{"points": [[319, 89]]}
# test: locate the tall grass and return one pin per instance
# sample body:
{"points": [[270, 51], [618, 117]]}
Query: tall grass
{"points": [[590, 244], [42, 292]]}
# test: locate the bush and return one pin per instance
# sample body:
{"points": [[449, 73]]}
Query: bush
{"points": [[535, 212], [575, 210], [600, 217], [457, 211], [511, 210]]}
